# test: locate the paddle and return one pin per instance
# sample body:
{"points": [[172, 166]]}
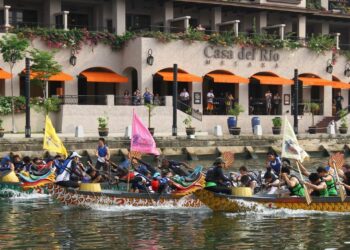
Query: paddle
{"points": [[307, 195], [131, 155], [228, 158], [338, 161]]}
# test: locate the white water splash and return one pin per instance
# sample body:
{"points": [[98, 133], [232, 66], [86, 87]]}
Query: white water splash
{"points": [[17, 195], [257, 209]]}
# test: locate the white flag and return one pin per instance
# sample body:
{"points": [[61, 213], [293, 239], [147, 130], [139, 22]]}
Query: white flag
{"points": [[290, 144]]}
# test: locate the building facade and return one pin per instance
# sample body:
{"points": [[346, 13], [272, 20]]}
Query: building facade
{"points": [[101, 75]]}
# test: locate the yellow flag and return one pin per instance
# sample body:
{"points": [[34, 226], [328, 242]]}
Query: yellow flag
{"points": [[52, 142]]}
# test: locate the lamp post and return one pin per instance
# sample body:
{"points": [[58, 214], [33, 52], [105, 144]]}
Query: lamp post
{"points": [[27, 96], [296, 100], [175, 101]]}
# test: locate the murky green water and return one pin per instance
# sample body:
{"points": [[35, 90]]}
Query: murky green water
{"points": [[40, 223], [43, 224]]}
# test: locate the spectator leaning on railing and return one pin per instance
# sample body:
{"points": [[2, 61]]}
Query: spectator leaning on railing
{"points": [[147, 96]]}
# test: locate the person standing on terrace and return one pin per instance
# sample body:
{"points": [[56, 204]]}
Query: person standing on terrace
{"points": [[210, 101], [339, 102], [147, 96]]}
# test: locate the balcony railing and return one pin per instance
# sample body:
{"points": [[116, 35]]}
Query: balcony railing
{"points": [[138, 100]]}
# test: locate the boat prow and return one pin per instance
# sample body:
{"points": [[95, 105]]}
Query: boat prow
{"points": [[237, 204]]}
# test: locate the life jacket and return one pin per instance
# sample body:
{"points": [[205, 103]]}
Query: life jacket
{"points": [[332, 190], [155, 185], [60, 167], [276, 165], [102, 151], [297, 190], [320, 193]]}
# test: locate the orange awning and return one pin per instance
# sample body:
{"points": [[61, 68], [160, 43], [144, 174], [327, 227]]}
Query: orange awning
{"points": [[227, 78], [110, 77], [337, 84], [4, 75], [314, 81], [272, 80], [181, 77], [60, 77]]}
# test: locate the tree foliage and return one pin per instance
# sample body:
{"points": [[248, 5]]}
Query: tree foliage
{"points": [[13, 48]]}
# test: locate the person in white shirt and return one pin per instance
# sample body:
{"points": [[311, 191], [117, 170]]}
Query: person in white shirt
{"points": [[72, 167], [210, 101], [185, 97]]}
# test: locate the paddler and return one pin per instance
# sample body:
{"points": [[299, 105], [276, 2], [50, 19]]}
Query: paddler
{"points": [[323, 173], [271, 183], [317, 187], [6, 164], [273, 163], [72, 167], [177, 168], [328, 179], [103, 155], [215, 179], [292, 182]]}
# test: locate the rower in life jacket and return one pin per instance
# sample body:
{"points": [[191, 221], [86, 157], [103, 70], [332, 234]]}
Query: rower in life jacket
{"points": [[66, 172], [160, 183], [6, 164], [317, 186], [323, 172], [273, 163], [292, 182], [215, 179]]}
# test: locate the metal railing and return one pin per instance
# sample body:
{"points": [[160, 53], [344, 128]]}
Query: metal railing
{"points": [[196, 114], [138, 100], [83, 99]]}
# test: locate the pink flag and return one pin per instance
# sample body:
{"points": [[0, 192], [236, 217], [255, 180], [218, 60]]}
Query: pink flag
{"points": [[141, 139]]}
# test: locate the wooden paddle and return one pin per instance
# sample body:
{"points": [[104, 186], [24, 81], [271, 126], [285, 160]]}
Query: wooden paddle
{"points": [[307, 195], [228, 158], [337, 162], [131, 155]]}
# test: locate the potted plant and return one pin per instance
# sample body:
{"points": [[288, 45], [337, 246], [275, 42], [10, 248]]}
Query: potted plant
{"points": [[343, 128], [277, 124], [1, 129], [235, 111], [188, 123], [103, 126], [314, 109], [150, 108]]}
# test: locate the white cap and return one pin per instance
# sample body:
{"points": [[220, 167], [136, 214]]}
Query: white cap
{"points": [[75, 154]]}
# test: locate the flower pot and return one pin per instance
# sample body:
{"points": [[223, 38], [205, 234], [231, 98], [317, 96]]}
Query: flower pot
{"points": [[313, 130], [151, 130], [2, 132], [103, 131], [235, 131], [190, 131], [343, 130], [276, 130]]}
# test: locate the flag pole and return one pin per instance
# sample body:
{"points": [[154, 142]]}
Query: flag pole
{"points": [[296, 101]]}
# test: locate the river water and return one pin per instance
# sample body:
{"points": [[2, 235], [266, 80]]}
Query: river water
{"points": [[38, 222]]}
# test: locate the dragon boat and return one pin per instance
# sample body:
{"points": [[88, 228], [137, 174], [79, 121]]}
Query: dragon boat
{"points": [[25, 182], [244, 202], [90, 194]]}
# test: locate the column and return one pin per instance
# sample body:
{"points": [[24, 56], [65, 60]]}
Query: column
{"points": [[119, 16], [65, 19], [216, 18], [243, 97], [301, 26], [7, 16], [325, 28], [261, 21], [327, 101], [324, 4], [51, 9], [168, 14]]}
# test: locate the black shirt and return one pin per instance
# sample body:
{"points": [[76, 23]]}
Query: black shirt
{"points": [[215, 174]]}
